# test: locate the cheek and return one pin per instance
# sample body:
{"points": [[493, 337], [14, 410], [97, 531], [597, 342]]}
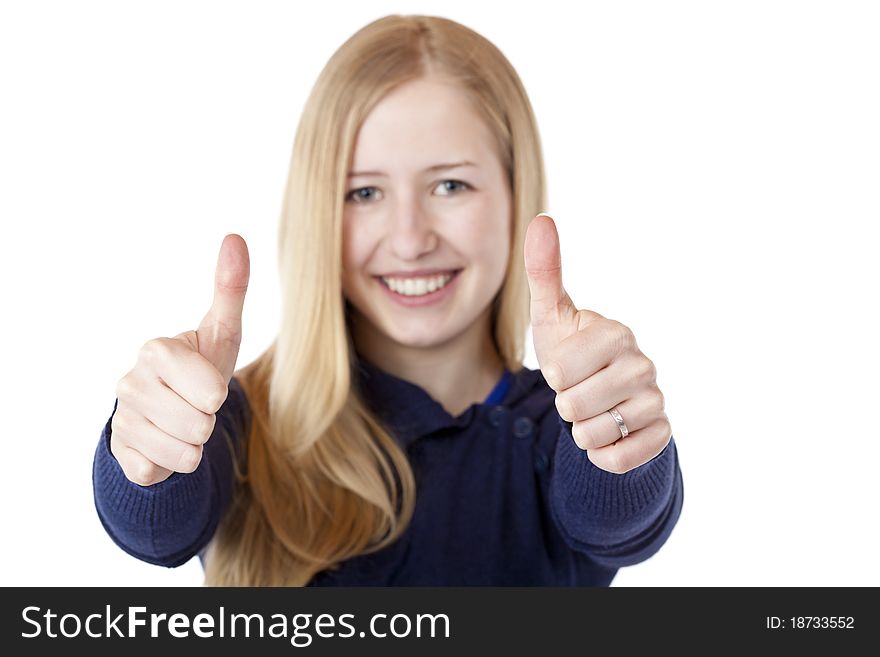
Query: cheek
{"points": [[353, 259], [483, 233], [355, 248]]}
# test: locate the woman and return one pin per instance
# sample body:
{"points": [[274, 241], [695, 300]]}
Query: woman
{"points": [[390, 435]]}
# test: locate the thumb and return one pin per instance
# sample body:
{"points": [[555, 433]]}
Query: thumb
{"points": [[219, 334], [553, 315]]}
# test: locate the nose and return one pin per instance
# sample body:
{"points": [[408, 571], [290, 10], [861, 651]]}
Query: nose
{"points": [[411, 229]]}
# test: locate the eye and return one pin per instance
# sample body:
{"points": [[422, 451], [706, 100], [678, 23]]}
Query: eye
{"points": [[361, 195], [447, 191]]}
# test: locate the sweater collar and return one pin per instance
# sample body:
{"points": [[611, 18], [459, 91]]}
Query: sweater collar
{"points": [[409, 412]]}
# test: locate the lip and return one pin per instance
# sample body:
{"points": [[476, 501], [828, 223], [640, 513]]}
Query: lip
{"points": [[425, 300], [420, 273]]}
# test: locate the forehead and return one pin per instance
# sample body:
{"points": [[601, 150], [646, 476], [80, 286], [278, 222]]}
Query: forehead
{"points": [[419, 124]]}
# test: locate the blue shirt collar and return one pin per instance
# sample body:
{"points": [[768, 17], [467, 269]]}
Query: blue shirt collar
{"points": [[410, 412]]}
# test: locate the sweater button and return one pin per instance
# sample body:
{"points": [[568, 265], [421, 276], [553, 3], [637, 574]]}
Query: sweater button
{"points": [[522, 427], [541, 462], [495, 415]]}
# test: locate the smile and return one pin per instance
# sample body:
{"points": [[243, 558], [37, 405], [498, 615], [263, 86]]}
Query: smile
{"points": [[418, 286], [419, 290]]}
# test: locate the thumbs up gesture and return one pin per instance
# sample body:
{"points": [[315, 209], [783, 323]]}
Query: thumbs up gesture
{"points": [[167, 403], [594, 365]]}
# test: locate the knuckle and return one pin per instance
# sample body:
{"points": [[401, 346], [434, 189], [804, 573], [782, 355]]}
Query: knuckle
{"points": [[554, 373], [577, 435], [202, 428], [189, 458], [582, 436], [649, 369], [121, 421], [565, 407], [621, 335], [215, 397], [643, 372], [142, 472], [664, 428], [155, 350], [125, 387], [658, 399]]}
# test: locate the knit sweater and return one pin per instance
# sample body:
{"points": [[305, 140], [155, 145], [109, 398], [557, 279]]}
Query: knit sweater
{"points": [[505, 497]]}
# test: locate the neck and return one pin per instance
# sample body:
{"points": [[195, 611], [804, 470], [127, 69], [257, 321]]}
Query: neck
{"points": [[456, 373]]}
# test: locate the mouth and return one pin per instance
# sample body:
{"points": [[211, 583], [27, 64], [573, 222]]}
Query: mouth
{"points": [[415, 287]]}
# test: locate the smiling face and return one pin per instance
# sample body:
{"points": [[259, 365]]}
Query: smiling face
{"points": [[428, 199]]}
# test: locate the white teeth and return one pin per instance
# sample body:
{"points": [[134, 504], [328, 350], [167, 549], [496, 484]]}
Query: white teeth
{"points": [[416, 287]]}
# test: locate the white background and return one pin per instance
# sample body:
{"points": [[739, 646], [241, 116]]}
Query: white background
{"points": [[713, 171]]}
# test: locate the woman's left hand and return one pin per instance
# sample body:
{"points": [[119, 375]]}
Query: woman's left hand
{"points": [[593, 363]]}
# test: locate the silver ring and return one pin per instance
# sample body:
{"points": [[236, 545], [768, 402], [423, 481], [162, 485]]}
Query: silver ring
{"points": [[624, 432]]}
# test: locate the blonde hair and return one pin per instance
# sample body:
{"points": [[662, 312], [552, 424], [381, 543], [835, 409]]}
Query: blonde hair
{"points": [[322, 480]]}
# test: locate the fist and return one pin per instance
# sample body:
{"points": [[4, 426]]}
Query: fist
{"points": [[594, 365], [166, 405]]}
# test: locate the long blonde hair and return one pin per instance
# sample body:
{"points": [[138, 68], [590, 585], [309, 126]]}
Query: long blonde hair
{"points": [[321, 480]]}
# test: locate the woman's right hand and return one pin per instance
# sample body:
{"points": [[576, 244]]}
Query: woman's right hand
{"points": [[167, 403]]}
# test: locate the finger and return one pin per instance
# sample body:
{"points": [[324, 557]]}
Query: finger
{"points": [[186, 372], [219, 333], [601, 430], [157, 446], [138, 468], [581, 355], [636, 449], [605, 389], [543, 261], [167, 410]]}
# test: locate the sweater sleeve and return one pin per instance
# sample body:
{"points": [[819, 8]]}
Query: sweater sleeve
{"points": [[168, 523], [616, 519]]}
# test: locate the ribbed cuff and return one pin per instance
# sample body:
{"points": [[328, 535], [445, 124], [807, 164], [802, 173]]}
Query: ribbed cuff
{"points": [[600, 508], [157, 523]]}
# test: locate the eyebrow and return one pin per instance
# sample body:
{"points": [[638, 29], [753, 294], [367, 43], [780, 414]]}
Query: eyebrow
{"points": [[436, 167]]}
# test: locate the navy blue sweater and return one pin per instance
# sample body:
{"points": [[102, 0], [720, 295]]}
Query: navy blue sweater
{"points": [[504, 496]]}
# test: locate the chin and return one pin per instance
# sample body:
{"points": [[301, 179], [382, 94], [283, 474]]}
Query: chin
{"points": [[418, 339]]}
